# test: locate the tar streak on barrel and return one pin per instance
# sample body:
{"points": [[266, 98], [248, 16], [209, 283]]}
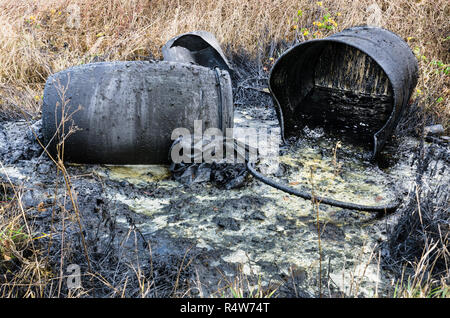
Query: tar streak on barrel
{"points": [[355, 84], [129, 109]]}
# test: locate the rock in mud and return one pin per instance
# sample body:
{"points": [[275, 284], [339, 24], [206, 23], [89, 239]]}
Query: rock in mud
{"points": [[227, 223], [434, 130]]}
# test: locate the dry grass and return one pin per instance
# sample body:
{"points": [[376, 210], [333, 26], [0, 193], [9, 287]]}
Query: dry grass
{"points": [[47, 36], [24, 271]]}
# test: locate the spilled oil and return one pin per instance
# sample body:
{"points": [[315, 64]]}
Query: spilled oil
{"points": [[320, 165], [270, 235], [267, 232]]}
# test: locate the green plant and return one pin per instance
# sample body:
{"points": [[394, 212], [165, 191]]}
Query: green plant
{"points": [[325, 22], [420, 290], [10, 237], [238, 290], [242, 287]]}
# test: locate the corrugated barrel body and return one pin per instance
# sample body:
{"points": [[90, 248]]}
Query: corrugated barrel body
{"points": [[356, 82], [128, 110]]}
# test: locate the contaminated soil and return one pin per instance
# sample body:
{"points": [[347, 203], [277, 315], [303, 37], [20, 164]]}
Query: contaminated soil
{"points": [[201, 240]]}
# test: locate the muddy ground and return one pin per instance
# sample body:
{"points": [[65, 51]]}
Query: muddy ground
{"points": [[140, 225]]}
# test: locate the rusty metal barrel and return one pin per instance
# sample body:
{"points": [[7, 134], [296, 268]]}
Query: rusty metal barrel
{"points": [[125, 112], [355, 83]]}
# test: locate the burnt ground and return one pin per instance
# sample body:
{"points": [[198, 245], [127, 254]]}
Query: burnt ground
{"points": [[146, 234]]}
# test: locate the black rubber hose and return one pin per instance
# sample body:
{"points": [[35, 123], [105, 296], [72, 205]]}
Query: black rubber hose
{"points": [[391, 207]]}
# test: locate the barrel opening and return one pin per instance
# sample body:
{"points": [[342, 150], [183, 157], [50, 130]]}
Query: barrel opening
{"points": [[198, 47], [334, 86], [191, 42]]}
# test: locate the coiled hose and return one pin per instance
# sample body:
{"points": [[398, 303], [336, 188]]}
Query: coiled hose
{"points": [[386, 208], [391, 207]]}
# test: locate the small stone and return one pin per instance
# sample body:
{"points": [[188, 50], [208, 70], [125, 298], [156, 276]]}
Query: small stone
{"points": [[16, 156], [258, 215], [227, 223], [28, 200], [44, 168], [434, 130]]}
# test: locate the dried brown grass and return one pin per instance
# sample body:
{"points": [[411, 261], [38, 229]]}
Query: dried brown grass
{"points": [[45, 36], [40, 38]]}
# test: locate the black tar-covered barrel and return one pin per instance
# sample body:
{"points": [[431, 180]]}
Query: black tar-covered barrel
{"points": [[356, 82], [125, 112]]}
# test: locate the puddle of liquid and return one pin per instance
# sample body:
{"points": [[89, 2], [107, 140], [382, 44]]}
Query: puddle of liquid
{"points": [[285, 232], [335, 175], [138, 174]]}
